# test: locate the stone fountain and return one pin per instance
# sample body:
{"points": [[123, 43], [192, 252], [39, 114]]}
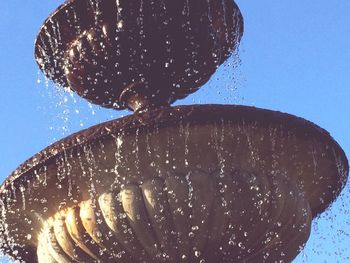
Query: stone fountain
{"points": [[200, 183]]}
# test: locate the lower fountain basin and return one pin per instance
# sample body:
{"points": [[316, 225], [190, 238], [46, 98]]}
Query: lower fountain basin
{"points": [[209, 183]]}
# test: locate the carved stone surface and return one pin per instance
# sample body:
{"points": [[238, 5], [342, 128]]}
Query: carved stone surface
{"points": [[268, 174], [194, 217], [154, 52]]}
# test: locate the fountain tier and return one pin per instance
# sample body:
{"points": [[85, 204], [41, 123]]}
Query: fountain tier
{"points": [[137, 54], [185, 184]]}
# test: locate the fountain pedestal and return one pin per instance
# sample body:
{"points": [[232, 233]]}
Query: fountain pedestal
{"points": [[201, 183]]}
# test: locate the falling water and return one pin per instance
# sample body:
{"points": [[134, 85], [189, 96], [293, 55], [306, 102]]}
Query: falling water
{"points": [[67, 104], [67, 112]]}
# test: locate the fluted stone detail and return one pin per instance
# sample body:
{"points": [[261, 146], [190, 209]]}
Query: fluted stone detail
{"points": [[195, 217]]}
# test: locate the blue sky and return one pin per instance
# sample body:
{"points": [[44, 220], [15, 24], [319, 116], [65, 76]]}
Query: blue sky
{"points": [[295, 58]]}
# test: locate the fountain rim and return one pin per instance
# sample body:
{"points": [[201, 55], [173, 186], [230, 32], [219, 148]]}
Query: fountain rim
{"points": [[173, 116]]}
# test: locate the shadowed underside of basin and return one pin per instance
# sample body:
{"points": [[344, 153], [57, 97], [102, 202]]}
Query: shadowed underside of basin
{"points": [[184, 184]]}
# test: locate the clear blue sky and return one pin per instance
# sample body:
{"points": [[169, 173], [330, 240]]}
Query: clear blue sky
{"points": [[295, 58]]}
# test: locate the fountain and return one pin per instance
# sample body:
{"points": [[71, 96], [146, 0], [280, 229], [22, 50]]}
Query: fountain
{"points": [[199, 183]]}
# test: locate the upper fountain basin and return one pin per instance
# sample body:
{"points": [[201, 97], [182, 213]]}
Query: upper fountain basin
{"points": [[111, 52]]}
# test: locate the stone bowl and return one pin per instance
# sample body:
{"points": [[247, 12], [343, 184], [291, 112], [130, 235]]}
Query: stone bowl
{"points": [[208, 183], [110, 52]]}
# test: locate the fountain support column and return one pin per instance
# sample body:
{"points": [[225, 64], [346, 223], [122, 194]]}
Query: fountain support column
{"points": [[198, 183]]}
